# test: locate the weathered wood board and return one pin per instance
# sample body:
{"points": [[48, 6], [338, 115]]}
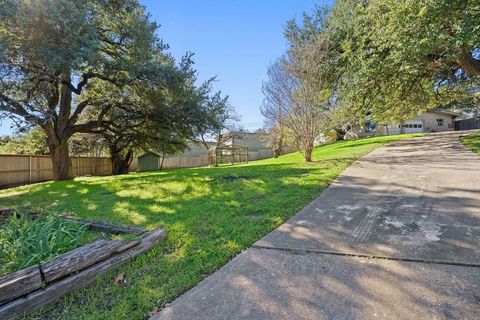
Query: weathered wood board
{"points": [[104, 226], [19, 283], [42, 297], [113, 228], [83, 257]]}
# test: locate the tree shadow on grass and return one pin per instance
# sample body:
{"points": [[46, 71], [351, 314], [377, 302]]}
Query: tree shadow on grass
{"points": [[208, 215], [284, 282]]}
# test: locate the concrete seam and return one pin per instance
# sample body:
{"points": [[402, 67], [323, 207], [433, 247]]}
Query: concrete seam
{"points": [[360, 255]]}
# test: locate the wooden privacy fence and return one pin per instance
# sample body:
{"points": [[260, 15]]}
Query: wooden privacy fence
{"points": [[185, 162], [259, 154], [16, 170], [24, 169], [467, 124], [154, 162]]}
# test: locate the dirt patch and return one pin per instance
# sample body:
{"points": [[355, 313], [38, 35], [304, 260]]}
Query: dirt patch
{"points": [[254, 213], [5, 213], [258, 197], [234, 178], [105, 193]]}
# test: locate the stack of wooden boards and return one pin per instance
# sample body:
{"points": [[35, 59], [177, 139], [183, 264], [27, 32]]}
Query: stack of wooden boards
{"points": [[32, 288]]}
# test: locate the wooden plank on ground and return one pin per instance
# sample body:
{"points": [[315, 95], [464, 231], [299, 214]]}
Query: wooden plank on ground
{"points": [[19, 283], [114, 228], [105, 226], [83, 257], [5, 213], [55, 291]]}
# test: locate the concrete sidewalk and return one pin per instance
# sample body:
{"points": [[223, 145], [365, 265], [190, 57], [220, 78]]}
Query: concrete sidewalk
{"points": [[396, 236]]}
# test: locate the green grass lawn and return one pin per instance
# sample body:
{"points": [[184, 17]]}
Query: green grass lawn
{"points": [[472, 141], [210, 215]]}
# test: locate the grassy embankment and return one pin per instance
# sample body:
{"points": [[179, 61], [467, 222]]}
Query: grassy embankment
{"points": [[472, 141]]}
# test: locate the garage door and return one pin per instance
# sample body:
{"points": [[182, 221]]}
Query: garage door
{"points": [[413, 126]]}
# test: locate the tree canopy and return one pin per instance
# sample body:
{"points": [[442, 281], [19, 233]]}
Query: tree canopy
{"points": [[95, 66], [394, 59], [31, 143], [52, 50]]}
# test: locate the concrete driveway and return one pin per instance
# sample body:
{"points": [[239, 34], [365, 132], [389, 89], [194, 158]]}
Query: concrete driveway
{"points": [[396, 236]]}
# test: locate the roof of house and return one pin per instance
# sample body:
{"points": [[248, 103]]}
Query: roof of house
{"points": [[451, 113], [240, 133]]}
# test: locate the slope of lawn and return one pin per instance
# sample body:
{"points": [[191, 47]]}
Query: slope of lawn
{"points": [[472, 141], [210, 215]]}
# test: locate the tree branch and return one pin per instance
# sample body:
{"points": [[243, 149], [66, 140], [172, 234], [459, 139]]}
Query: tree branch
{"points": [[468, 63], [78, 110], [86, 77], [10, 105]]}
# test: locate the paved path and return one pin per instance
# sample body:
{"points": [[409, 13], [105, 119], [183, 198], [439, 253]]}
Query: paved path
{"points": [[396, 236]]}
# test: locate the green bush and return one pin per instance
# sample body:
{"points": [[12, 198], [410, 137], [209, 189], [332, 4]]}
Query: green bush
{"points": [[25, 242]]}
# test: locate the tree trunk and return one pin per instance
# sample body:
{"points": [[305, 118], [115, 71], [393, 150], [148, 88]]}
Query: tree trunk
{"points": [[308, 155], [277, 150], [276, 153], [121, 162], [62, 164], [308, 151], [58, 135], [161, 163]]}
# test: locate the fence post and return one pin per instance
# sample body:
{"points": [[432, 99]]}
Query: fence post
{"points": [[30, 169]]}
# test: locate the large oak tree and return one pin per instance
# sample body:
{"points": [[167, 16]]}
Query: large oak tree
{"points": [[394, 59], [161, 112], [52, 50]]}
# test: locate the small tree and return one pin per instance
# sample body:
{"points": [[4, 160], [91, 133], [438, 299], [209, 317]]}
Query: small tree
{"points": [[299, 91], [294, 104], [217, 116], [157, 113]]}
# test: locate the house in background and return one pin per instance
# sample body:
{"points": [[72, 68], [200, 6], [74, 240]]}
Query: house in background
{"points": [[258, 145], [430, 121], [197, 149], [252, 140]]}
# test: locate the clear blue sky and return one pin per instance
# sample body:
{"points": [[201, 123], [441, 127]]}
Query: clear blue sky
{"points": [[234, 40]]}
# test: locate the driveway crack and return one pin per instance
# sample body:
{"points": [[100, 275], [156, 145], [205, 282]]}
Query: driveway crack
{"points": [[368, 256]]}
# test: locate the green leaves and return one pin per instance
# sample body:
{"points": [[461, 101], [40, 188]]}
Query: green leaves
{"points": [[394, 59], [24, 242], [33, 142], [407, 60]]}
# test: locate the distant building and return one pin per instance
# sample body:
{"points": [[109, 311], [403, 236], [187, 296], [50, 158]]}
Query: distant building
{"points": [[430, 121], [258, 144], [197, 149], [254, 141]]}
